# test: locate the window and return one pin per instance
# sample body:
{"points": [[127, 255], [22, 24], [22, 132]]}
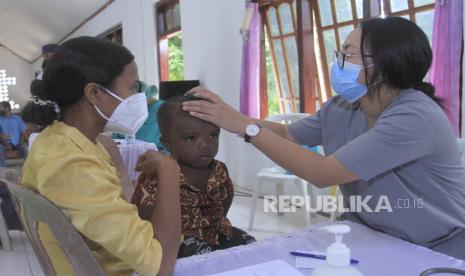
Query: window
{"points": [[171, 58], [290, 85], [419, 11], [280, 27], [299, 40], [335, 19], [115, 34]]}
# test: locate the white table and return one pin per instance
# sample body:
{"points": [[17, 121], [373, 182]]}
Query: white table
{"points": [[131, 152], [379, 254]]}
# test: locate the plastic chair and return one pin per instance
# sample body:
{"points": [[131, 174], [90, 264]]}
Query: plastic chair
{"points": [[5, 238], [34, 208], [12, 176], [278, 175]]}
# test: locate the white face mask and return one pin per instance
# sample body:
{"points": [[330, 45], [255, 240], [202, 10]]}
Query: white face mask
{"points": [[128, 116]]}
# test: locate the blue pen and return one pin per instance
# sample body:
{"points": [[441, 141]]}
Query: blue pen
{"points": [[320, 257]]}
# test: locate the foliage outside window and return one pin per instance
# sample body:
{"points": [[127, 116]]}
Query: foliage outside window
{"points": [[280, 27], [171, 57]]}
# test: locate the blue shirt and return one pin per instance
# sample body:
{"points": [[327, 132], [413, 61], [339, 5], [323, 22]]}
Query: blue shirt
{"points": [[14, 127], [410, 154]]}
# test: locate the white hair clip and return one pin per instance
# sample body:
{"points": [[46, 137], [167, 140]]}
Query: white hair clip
{"points": [[38, 101]]}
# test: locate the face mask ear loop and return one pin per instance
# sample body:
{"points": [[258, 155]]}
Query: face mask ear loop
{"points": [[112, 94], [101, 113], [370, 86]]}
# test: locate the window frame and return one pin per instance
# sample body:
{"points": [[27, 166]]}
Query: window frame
{"points": [[161, 8], [411, 11], [114, 34], [309, 92], [335, 28]]}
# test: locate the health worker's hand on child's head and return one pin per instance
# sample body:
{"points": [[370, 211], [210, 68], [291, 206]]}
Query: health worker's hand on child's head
{"points": [[214, 110]]}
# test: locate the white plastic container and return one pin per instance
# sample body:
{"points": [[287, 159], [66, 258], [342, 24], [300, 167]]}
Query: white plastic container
{"points": [[337, 255], [130, 139]]}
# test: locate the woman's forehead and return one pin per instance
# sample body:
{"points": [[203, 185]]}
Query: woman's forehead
{"points": [[130, 73]]}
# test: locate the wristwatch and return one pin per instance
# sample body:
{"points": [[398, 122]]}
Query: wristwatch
{"points": [[251, 130]]}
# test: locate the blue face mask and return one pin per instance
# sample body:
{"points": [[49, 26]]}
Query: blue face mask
{"points": [[344, 81]]}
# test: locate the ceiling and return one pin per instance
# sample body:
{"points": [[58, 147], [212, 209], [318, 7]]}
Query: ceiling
{"points": [[26, 25]]}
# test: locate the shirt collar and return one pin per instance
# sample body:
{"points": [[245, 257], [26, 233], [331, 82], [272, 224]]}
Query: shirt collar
{"points": [[80, 140], [214, 167]]}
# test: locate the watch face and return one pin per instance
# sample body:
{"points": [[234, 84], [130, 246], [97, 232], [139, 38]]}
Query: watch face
{"points": [[252, 130]]}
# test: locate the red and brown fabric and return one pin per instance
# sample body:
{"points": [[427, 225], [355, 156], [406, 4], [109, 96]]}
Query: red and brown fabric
{"points": [[202, 212]]}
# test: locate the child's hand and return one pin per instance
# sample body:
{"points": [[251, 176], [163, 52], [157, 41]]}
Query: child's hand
{"points": [[153, 162]]}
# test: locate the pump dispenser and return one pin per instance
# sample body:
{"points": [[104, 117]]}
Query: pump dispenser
{"points": [[337, 255]]}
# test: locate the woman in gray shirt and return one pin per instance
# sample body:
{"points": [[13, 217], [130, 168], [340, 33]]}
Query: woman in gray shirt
{"points": [[384, 135]]}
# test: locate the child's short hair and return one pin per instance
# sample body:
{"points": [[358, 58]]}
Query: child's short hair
{"points": [[169, 109]]}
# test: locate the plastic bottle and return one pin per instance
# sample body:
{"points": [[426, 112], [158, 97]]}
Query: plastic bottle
{"points": [[130, 138], [337, 255]]}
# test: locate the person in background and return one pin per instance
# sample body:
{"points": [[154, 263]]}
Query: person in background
{"points": [[150, 131], [47, 54], [32, 127], [3, 145], [13, 128], [8, 210]]}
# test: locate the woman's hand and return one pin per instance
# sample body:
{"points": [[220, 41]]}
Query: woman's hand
{"points": [[215, 111], [154, 163]]}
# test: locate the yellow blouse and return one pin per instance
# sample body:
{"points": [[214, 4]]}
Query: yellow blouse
{"points": [[79, 177]]}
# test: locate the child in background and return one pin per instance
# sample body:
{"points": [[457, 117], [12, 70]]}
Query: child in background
{"points": [[206, 189]]}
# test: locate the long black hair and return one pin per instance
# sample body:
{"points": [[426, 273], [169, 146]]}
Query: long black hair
{"points": [[401, 53], [75, 63]]}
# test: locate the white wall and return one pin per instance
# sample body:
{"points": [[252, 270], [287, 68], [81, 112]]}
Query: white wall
{"points": [[137, 20], [212, 51], [21, 69]]}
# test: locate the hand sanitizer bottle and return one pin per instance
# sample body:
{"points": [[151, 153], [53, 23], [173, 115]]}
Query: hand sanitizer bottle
{"points": [[337, 255]]}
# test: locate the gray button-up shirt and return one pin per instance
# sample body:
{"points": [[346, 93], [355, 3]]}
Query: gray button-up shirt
{"points": [[410, 156]]}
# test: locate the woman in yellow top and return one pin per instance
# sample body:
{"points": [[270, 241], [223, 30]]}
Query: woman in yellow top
{"points": [[88, 86]]}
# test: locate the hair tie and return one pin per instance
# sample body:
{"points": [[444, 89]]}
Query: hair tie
{"points": [[38, 101]]}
